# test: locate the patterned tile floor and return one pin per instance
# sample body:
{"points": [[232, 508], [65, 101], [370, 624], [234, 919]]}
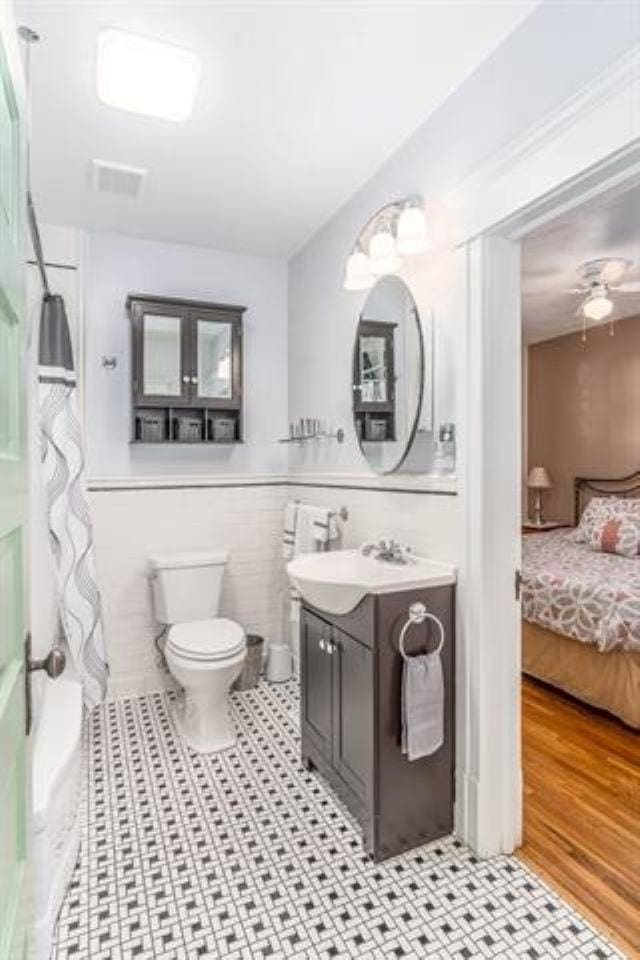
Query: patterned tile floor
{"points": [[246, 856]]}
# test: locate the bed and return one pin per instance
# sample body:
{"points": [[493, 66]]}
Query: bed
{"points": [[581, 611]]}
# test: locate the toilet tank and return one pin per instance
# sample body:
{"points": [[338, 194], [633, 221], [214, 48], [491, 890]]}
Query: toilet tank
{"points": [[186, 584]]}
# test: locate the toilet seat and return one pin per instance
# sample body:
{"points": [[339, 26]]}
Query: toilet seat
{"points": [[206, 640]]}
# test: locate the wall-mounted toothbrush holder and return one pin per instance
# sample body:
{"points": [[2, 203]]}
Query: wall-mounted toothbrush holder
{"points": [[310, 428]]}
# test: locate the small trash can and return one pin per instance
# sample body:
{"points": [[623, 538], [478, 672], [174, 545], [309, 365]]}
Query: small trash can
{"points": [[278, 662], [252, 663]]}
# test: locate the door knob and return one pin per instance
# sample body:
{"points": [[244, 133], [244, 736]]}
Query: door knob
{"points": [[53, 664]]}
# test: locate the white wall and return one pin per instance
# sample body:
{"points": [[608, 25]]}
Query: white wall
{"points": [[118, 265]]}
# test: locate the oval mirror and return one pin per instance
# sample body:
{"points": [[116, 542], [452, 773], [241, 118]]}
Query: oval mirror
{"points": [[388, 374]]}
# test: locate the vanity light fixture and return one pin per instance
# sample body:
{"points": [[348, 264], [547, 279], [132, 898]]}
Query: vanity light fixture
{"points": [[398, 229], [146, 76]]}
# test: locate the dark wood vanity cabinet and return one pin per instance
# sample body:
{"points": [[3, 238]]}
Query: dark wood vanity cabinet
{"points": [[186, 370], [351, 678]]}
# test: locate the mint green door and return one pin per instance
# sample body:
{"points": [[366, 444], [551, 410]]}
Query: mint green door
{"points": [[13, 770]]}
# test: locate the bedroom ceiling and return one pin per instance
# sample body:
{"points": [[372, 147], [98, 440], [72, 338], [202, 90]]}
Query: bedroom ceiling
{"points": [[299, 104], [606, 227]]}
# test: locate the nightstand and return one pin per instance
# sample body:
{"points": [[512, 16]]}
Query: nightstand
{"points": [[530, 526]]}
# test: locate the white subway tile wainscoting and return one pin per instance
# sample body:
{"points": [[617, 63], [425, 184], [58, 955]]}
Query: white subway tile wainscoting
{"points": [[244, 855], [131, 524]]}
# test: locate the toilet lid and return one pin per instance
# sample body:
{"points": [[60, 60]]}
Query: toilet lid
{"points": [[206, 639]]}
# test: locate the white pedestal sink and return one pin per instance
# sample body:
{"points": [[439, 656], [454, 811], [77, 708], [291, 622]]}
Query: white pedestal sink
{"points": [[336, 582]]}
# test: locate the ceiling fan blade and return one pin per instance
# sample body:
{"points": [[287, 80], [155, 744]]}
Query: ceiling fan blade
{"points": [[631, 286]]}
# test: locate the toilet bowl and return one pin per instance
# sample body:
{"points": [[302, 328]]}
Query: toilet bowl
{"points": [[205, 657], [204, 652]]}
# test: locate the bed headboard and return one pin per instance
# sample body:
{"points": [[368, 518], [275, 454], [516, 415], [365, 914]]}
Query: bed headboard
{"points": [[584, 488]]}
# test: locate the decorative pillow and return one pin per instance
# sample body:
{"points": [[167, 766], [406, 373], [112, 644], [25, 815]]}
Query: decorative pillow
{"points": [[619, 535], [601, 509]]}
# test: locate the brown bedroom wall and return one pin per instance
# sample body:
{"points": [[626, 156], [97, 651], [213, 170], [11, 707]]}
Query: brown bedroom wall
{"points": [[584, 409]]}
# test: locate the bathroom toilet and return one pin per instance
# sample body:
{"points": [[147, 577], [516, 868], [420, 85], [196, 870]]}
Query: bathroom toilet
{"points": [[204, 652]]}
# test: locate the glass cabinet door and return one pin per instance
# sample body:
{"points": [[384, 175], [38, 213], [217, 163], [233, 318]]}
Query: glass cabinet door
{"points": [[214, 353], [373, 365], [161, 355]]}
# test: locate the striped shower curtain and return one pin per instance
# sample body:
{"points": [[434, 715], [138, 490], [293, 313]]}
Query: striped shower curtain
{"points": [[70, 531]]}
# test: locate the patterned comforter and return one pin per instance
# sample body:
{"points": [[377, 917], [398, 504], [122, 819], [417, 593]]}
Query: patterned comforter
{"points": [[580, 593]]}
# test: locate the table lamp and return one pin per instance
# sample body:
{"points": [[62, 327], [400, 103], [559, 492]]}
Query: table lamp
{"points": [[538, 480]]}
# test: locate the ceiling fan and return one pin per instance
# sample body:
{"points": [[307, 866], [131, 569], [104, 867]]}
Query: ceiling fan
{"points": [[602, 279]]}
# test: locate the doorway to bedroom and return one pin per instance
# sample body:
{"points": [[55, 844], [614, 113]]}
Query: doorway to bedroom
{"points": [[580, 591]]}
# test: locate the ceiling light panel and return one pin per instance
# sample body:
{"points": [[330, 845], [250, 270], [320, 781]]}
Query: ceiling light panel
{"points": [[146, 76]]}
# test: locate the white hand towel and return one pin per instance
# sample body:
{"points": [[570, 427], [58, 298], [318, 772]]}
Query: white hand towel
{"points": [[305, 538], [422, 705], [289, 529], [325, 526]]}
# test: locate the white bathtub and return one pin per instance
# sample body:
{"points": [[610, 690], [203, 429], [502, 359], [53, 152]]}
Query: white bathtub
{"points": [[55, 779]]}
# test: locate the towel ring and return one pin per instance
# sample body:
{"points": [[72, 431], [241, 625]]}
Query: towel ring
{"points": [[418, 613]]}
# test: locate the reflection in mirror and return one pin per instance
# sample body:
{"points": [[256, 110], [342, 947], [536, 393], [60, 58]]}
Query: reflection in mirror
{"points": [[161, 361], [214, 359], [388, 374]]}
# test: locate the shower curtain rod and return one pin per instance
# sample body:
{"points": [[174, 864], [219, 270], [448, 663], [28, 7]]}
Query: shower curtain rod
{"points": [[37, 245]]}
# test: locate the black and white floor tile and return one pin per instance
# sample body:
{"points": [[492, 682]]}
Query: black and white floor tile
{"points": [[246, 856]]}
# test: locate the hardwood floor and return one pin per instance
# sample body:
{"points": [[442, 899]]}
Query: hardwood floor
{"points": [[582, 809]]}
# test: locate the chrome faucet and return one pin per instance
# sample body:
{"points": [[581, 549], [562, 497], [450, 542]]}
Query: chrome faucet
{"points": [[387, 550]]}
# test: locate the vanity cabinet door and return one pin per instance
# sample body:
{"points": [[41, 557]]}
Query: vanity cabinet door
{"points": [[352, 748], [317, 686]]}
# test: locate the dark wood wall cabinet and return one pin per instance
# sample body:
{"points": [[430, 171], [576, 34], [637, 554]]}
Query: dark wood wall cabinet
{"points": [[186, 370], [351, 680]]}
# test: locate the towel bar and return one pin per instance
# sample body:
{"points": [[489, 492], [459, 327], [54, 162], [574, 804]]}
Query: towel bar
{"points": [[418, 613]]}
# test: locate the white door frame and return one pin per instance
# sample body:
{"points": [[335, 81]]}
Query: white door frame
{"points": [[591, 145]]}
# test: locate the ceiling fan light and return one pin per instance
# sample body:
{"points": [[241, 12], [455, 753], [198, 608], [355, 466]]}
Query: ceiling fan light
{"points": [[383, 257], [597, 308], [412, 231], [357, 275]]}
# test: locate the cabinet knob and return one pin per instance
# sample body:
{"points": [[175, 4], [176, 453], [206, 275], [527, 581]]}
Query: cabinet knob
{"points": [[321, 645], [186, 378], [194, 380]]}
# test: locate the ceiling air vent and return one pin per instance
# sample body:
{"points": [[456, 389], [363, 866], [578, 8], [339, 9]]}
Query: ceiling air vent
{"points": [[117, 178]]}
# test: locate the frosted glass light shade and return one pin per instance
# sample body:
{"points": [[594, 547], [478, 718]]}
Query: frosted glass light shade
{"points": [[146, 76], [597, 308], [412, 231], [383, 258], [357, 275]]}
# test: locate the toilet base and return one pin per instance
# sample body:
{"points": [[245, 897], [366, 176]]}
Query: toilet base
{"points": [[201, 714], [199, 740]]}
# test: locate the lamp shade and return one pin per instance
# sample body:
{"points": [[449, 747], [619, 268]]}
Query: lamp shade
{"points": [[358, 275], [538, 478], [412, 231], [597, 307], [382, 252]]}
